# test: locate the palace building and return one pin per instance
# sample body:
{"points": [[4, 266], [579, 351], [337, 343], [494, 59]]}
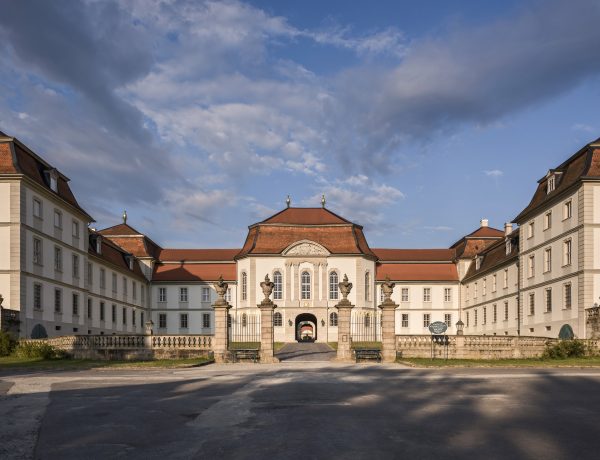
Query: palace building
{"points": [[58, 276]]}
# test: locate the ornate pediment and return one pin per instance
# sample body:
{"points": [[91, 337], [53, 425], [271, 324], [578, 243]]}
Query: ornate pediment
{"points": [[305, 248]]}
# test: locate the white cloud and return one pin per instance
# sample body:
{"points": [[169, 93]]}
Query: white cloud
{"points": [[493, 173]]}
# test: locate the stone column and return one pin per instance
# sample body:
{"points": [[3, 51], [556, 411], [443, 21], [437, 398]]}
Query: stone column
{"points": [[344, 351], [221, 336], [267, 334], [388, 323]]}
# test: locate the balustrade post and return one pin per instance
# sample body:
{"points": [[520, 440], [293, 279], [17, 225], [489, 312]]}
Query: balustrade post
{"points": [[388, 323], [344, 349], [221, 308]]}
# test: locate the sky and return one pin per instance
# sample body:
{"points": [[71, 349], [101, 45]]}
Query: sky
{"points": [[415, 119]]}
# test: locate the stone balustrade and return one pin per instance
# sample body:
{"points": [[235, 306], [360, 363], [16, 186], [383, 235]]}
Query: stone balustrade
{"points": [[131, 346], [473, 346]]}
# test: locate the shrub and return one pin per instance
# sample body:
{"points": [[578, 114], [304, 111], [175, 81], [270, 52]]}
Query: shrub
{"points": [[7, 343], [565, 349], [42, 350]]}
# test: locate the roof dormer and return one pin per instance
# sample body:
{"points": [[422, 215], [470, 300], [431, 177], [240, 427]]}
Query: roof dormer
{"points": [[51, 176], [552, 179], [96, 242]]}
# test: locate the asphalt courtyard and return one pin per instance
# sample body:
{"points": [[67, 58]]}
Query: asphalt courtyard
{"points": [[301, 410]]}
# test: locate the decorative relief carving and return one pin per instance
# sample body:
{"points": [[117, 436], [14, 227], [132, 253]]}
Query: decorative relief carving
{"points": [[307, 248]]}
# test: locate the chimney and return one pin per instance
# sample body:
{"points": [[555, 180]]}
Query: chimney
{"points": [[484, 222], [508, 228]]}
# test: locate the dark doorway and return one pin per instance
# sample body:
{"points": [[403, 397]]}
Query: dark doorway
{"points": [[306, 327]]}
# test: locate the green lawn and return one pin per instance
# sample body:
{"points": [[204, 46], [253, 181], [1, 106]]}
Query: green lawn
{"points": [[67, 364], [593, 361], [244, 345], [333, 345], [368, 345]]}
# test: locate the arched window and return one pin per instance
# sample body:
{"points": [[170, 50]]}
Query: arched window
{"points": [[368, 320], [333, 286], [277, 319], [244, 320], [305, 285], [244, 286], [333, 319], [367, 286], [278, 287]]}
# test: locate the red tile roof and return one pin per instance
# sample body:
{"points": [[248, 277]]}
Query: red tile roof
{"points": [[114, 255], [417, 272], [583, 164], [131, 240], [306, 216], [494, 257], [26, 162], [195, 272], [198, 255], [409, 255]]}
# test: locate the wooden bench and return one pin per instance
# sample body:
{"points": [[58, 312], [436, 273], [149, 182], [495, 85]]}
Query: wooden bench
{"points": [[368, 353], [246, 353]]}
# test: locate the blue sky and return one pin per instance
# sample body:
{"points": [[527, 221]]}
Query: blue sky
{"points": [[416, 119]]}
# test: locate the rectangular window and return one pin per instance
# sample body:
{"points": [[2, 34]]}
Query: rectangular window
{"points": [[567, 252], [567, 291], [37, 251], [494, 313], [143, 293], [567, 210], [551, 185], [405, 294], [547, 260], [475, 318], [404, 319], [124, 315], [531, 266], [58, 263], [447, 294], [124, 287], [75, 266], [548, 220], [484, 315], [75, 304], [134, 290], [548, 300], [505, 280], [505, 311], [102, 279], [206, 320], [426, 320], [530, 229], [448, 319], [133, 317], [162, 320], [37, 208], [467, 292], [76, 229], [57, 219], [162, 294], [57, 300], [114, 283], [494, 283], [89, 309], [484, 287], [228, 295], [183, 294], [90, 274], [141, 318], [183, 321], [508, 247], [426, 294], [205, 294], [37, 296], [114, 313], [475, 291], [532, 304], [102, 312]]}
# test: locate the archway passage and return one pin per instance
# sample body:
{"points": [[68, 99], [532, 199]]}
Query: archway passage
{"points": [[306, 327]]}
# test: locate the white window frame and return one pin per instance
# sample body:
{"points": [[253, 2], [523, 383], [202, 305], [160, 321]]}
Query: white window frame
{"points": [[277, 285], [505, 279], [426, 319], [547, 260], [494, 282], [58, 219], [75, 229], [183, 294], [102, 278], [548, 220], [334, 279], [548, 300], [75, 265], [427, 294], [162, 320], [530, 229], [532, 303], [38, 210], [183, 321], [58, 259], [38, 251], [567, 252], [404, 320], [531, 266], [448, 319], [38, 293], [244, 286], [447, 294], [206, 320], [567, 209], [162, 294], [305, 285], [405, 295], [205, 294], [568, 299]]}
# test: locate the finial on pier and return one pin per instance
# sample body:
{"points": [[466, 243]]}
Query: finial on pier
{"points": [[288, 201], [323, 200], [124, 217]]}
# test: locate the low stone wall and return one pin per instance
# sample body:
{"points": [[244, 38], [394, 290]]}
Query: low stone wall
{"points": [[472, 347], [131, 347]]}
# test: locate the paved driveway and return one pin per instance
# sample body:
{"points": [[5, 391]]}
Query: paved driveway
{"points": [[306, 352], [292, 410]]}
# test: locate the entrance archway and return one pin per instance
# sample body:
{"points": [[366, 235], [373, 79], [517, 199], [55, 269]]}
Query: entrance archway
{"points": [[306, 327]]}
